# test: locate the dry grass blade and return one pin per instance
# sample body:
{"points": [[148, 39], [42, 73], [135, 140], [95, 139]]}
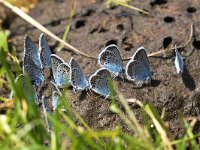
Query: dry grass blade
{"points": [[42, 28], [129, 6]]}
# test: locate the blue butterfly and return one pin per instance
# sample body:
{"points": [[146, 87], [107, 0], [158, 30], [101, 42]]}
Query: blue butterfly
{"points": [[32, 63], [31, 51], [99, 82], [77, 78], [60, 70], [46, 109], [45, 52], [179, 63], [27, 87], [138, 69], [110, 59], [55, 99]]}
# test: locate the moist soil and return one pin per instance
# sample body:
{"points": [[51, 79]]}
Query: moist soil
{"points": [[95, 25]]}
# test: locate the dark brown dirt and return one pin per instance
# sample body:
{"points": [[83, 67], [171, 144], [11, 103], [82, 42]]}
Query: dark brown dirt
{"points": [[95, 26]]}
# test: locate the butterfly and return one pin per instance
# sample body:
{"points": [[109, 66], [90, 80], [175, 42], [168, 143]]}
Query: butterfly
{"points": [[31, 50], [99, 82], [55, 99], [46, 109], [179, 63], [110, 59], [27, 87], [60, 70], [77, 78], [138, 69], [32, 63], [44, 51]]}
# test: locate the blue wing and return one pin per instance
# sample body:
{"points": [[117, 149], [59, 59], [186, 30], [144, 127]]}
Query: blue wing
{"points": [[77, 78], [99, 82], [141, 55], [135, 71], [55, 99], [45, 52], [179, 63], [55, 62], [63, 72], [27, 87], [110, 59], [33, 71], [31, 51]]}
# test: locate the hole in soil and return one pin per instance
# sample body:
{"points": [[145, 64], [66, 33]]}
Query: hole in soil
{"points": [[128, 48], [80, 23], [112, 7], [102, 30], [111, 42], [94, 30], [191, 9], [60, 1], [196, 44], [169, 19], [167, 41], [55, 23], [120, 27], [158, 2], [88, 12], [6, 23]]}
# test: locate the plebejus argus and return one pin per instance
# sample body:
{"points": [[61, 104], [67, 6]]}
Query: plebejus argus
{"points": [[45, 52], [99, 82], [77, 78], [138, 69], [179, 63], [110, 59]]}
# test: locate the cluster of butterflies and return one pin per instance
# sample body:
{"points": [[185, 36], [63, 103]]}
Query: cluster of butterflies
{"points": [[35, 61]]}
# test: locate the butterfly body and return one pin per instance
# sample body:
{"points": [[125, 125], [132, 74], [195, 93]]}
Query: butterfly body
{"points": [[110, 59]]}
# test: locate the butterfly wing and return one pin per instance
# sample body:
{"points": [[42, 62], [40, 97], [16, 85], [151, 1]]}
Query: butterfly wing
{"points": [[55, 100], [31, 51], [110, 59], [46, 109], [45, 52], [179, 64], [55, 62], [135, 71], [27, 87], [141, 55], [99, 82], [63, 72], [33, 71], [77, 78]]}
